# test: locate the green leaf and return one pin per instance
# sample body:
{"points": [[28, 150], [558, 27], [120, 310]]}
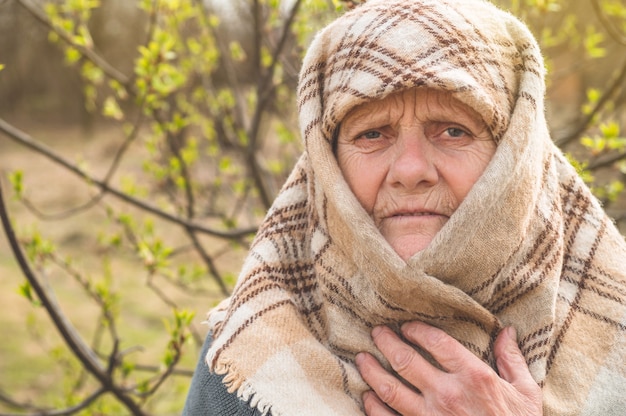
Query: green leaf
{"points": [[593, 95], [225, 164], [592, 43], [143, 386], [237, 52], [112, 109], [616, 143], [25, 290], [214, 21], [184, 317], [594, 144], [38, 248], [119, 89], [225, 99], [275, 166], [581, 168], [610, 130], [168, 358], [17, 182], [230, 279], [614, 190], [127, 368], [621, 167], [72, 55], [266, 57], [92, 73], [285, 135], [229, 223]]}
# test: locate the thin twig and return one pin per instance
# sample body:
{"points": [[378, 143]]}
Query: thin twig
{"points": [[96, 199], [229, 68], [48, 412], [160, 293], [160, 379], [90, 54], [265, 90], [153, 369], [132, 136], [606, 161], [152, 25], [184, 171], [209, 262], [602, 102], [614, 32], [87, 287], [24, 139], [68, 213]]}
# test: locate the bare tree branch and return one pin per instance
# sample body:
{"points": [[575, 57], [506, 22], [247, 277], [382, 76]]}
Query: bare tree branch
{"points": [[617, 35], [72, 339], [48, 412], [229, 68], [95, 200], [265, 91], [175, 372], [24, 139], [209, 262], [88, 53], [611, 90], [606, 161]]}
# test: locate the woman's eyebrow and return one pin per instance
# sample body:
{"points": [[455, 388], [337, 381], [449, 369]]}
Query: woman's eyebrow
{"points": [[366, 118], [455, 113]]}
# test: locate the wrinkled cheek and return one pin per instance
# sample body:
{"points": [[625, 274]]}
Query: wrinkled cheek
{"points": [[366, 197], [464, 185], [462, 176], [364, 186]]}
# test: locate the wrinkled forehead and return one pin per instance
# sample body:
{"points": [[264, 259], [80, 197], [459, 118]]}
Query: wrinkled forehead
{"points": [[383, 47], [418, 103]]}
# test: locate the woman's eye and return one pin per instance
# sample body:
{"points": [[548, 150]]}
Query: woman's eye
{"points": [[374, 134], [455, 132]]}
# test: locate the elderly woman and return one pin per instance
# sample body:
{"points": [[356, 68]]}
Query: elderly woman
{"points": [[432, 253]]}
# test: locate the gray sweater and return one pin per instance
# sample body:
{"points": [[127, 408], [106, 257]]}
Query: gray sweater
{"points": [[208, 395]]}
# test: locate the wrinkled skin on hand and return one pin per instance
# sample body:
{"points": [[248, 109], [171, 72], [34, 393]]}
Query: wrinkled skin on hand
{"points": [[468, 386]]}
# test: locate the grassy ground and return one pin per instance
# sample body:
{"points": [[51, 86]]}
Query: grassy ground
{"points": [[34, 365]]}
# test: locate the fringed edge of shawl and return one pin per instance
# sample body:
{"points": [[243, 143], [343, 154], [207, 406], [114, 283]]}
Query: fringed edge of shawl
{"points": [[234, 382], [237, 384]]}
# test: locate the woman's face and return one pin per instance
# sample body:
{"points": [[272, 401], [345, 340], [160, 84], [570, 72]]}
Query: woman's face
{"points": [[411, 159]]}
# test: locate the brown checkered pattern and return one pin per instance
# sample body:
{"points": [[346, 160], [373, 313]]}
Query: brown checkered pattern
{"points": [[528, 247]]}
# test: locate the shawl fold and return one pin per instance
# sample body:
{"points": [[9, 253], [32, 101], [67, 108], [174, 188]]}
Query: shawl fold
{"points": [[529, 246]]}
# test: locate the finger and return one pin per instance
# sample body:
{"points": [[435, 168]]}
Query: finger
{"points": [[512, 364], [446, 350], [374, 406], [404, 359], [388, 388]]}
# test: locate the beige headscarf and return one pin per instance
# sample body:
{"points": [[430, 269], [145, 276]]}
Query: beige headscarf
{"points": [[529, 246]]}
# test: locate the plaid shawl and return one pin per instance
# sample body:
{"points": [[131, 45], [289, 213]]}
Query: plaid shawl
{"points": [[529, 246]]}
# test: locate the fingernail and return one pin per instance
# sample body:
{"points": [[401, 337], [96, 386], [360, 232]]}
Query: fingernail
{"points": [[360, 357], [376, 331], [405, 327], [512, 333], [408, 327]]}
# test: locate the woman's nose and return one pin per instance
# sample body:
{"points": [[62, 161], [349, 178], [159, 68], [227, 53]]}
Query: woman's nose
{"points": [[413, 165]]}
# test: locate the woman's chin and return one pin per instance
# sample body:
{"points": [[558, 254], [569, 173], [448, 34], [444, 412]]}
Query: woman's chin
{"points": [[407, 247], [409, 235]]}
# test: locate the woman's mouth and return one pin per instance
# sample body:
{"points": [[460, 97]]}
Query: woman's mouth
{"points": [[415, 214]]}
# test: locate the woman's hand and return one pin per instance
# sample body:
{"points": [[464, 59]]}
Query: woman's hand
{"points": [[467, 387]]}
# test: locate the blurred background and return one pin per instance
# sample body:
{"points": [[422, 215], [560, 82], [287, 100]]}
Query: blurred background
{"points": [[141, 143]]}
